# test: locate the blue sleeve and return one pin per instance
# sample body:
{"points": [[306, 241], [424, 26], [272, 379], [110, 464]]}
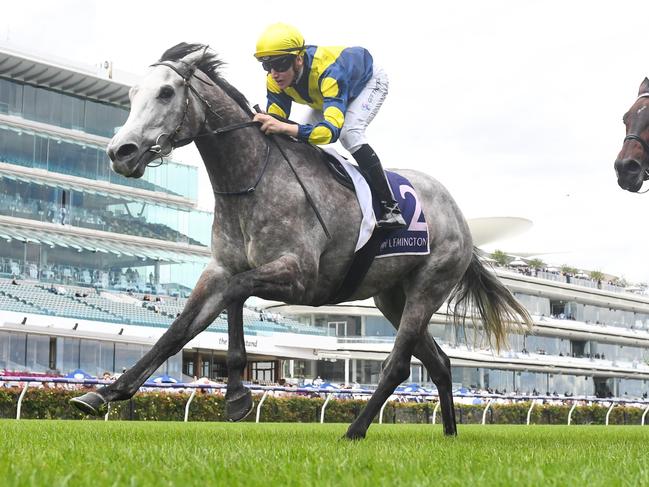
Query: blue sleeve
{"points": [[278, 102]]}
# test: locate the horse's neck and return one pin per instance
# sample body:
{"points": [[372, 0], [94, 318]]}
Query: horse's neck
{"points": [[234, 157]]}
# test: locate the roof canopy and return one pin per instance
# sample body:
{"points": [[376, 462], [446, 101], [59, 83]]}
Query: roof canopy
{"points": [[63, 78]]}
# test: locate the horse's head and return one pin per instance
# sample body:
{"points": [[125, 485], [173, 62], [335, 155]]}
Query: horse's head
{"points": [[632, 164], [163, 115]]}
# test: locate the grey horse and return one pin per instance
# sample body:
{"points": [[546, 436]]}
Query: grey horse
{"points": [[268, 242]]}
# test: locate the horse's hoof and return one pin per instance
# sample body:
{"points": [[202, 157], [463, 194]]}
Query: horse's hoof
{"points": [[90, 403], [353, 435], [239, 407]]}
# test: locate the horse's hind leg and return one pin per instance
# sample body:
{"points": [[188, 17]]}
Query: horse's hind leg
{"points": [[437, 363], [439, 368], [238, 398], [417, 312]]}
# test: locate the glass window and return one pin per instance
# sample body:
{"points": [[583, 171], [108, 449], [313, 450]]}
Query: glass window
{"points": [[103, 119], [67, 354], [536, 305], [378, 326], [89, 357], [38, 353], [11, 97], [5, 339], [106, 357], [633, 388], [532, 382], [367, 371], [498, 380], [127, 354], [16, 147], [467, 376], [173, 367], [17, 350]]}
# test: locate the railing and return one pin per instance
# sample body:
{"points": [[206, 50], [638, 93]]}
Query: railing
{"points": [[576, 281], [331, 393]]}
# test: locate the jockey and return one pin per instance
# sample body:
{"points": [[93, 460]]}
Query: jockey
{"points": [[345, 90]]}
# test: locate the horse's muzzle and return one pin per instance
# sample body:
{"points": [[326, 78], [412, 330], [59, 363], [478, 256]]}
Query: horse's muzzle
{"points": [[128, 160], [629, 174]]}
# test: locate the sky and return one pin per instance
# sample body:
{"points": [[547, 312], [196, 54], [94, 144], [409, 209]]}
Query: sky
{"points": [[515, 106]]}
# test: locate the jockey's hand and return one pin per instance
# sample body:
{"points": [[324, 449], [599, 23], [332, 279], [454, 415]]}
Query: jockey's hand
{"points": [[270, 125]]}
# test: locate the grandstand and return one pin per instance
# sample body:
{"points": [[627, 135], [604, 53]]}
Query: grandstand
{"points": [[94, 267]]}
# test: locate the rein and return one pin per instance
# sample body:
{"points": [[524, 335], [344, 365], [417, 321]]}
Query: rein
{"points": [[173, 143]]}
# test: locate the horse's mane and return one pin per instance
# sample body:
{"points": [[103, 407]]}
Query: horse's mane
{"points": [[210, 65]]}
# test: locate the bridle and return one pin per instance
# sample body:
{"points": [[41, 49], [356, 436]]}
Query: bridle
{"points": [[187, 74], [643, 144]]}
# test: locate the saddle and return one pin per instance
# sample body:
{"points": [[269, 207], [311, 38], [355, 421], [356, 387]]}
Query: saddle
{"points": [[364, 257], [337, 170]]}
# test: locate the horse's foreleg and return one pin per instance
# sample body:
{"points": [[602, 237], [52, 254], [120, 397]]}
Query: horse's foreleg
{"points": [[205, 303], [279, 279], [238, 398]]}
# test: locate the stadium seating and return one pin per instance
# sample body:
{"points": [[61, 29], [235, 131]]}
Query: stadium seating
{"points": [[134, 309]]}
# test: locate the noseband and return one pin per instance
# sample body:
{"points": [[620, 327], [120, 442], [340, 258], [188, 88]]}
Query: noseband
{"points": [[643, 144]]}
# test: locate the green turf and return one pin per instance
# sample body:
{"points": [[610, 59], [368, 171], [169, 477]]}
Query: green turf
{"points": [[94, 453]]}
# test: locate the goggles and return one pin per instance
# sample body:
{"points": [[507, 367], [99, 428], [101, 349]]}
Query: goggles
{"points": [[278, 63]]}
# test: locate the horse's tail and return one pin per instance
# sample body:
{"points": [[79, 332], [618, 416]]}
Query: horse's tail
{"points": [[481, 296]]}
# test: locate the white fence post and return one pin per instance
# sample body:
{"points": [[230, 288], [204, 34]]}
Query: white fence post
{"points": [[189, 401], [574, 405], [484, 413], [529, 412], [329, 394], [324, 406], [263, 398], [435, 411], [381, 411], [643, 415], [609, 412], [20, 400]]}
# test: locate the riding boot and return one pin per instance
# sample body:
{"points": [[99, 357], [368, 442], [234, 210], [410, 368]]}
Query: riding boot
{"points": [[370, 165]]}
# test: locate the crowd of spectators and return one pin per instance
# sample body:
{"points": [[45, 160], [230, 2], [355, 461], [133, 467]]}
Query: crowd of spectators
{"points": [[118, 279], [98, 219], [579, 278]]}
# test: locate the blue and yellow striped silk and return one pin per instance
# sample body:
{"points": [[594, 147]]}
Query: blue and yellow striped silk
{"points": [[332, 77]]}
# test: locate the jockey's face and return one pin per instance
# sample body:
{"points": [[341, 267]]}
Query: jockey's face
{"points": [[286, 78]]}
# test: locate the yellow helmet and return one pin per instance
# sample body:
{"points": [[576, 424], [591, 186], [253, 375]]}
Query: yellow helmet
{"points": [[278, 40]]}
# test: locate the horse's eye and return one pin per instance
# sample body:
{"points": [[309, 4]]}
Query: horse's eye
{"points": [[166, 92]]}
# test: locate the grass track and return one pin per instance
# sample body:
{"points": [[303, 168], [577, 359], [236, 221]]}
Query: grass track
{"points": [[94, 453]]}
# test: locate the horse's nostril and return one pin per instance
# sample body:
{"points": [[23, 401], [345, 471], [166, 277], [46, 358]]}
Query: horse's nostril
{"points": [[126, 150], [628, 166]]}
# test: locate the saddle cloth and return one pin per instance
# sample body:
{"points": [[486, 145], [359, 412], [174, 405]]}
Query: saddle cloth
{"points": [[412, 240]]}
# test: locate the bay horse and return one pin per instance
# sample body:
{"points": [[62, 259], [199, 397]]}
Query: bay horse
{"points": [[632, 163], [267, 241]]}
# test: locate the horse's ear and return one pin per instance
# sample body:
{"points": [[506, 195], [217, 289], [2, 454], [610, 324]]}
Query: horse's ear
{"points": [[196, 57], [644, 87]]}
